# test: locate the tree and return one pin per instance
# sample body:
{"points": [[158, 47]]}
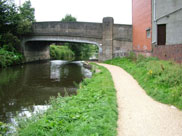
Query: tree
{"points": [[9, 19], [68, 18], [27, 17], [8, 16], [27, 12], [14, 22]]}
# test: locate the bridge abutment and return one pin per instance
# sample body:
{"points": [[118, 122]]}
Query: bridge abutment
{"points": [[107, 38], [34, 51]]}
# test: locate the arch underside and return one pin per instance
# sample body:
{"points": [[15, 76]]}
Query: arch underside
{"points": [[43, 52]]}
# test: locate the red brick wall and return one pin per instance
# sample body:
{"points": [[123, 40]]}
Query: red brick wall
{"points": [[141, 18], [169, 52]]}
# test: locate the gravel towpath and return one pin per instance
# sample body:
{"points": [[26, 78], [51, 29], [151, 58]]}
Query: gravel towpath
{"points": [[139, 114]]}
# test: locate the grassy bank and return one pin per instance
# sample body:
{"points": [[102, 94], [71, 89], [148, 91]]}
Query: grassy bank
{"points": [[161, 79], [61, 53], [92, 112], [8, 58]]}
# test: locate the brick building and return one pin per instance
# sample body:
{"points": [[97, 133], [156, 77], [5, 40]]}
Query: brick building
{"points": [[157, 28]]}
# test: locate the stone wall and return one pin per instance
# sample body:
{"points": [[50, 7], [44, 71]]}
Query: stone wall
{"points": [[76, 29], [122, 40]]}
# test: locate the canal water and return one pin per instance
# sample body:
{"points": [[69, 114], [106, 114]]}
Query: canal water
{"points": [[25, 89]]}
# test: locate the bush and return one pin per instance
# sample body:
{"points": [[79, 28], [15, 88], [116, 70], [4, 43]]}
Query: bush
{"points": [[8, 58], [3, 129], [61, 53]]}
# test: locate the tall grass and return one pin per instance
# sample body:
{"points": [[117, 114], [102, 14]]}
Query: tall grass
{"points": [[92, 112], [161, 79]]}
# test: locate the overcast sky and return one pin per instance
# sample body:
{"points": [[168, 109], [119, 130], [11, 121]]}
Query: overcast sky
{"points": [[83, 10]]}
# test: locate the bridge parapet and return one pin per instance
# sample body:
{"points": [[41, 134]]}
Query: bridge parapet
{"points": [[76, 29]]}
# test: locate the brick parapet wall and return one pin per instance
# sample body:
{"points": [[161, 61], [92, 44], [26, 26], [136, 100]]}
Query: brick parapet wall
{"points": [[144, 53], [168, 52]]}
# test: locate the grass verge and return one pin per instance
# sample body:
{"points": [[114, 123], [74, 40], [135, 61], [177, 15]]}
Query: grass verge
{"points": [[92, 112], [162, 80]]}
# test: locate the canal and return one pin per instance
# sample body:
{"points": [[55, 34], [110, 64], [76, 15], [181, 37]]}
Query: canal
{"points": [[25, 89]]}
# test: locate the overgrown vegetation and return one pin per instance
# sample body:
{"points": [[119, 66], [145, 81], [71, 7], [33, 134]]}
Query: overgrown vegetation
{"points": [[3, 128], [61, 53], [14, 22], [83, 51], [8, 58], [92, 112], [73, 51], [161, 79]]}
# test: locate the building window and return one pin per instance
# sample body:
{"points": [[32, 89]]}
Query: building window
{"points": [[161, 34], [148, 33]]}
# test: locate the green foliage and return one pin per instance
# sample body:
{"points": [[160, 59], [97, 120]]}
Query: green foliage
{"points": [[8, 58], [92, 112], [3, 129], [61, 53], [27, 17], [87, 51], [161, 79], [11, 42], [9, 20], [14, 22], [68, 18], [8, 15], [82, 51], [27, 12]]}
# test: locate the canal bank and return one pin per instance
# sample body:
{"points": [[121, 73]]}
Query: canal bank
{"points": [[93, 111], [25, 89]]}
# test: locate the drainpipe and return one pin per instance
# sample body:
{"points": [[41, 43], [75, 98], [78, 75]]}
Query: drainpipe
{"points": [[154, 10], [155, 23]]}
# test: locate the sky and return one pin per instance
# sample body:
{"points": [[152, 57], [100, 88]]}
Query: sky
{"points": [[83, 10]]}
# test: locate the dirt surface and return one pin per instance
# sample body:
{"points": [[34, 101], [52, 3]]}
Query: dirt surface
{"points": [[139, 114]]}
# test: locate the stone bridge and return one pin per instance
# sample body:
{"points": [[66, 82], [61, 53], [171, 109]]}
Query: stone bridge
{"points": [[112, 39]]}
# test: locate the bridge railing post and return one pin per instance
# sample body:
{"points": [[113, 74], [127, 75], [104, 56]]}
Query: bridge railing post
{"points": [[107, 38]]}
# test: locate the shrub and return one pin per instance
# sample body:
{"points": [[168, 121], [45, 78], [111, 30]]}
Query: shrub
{"points": [[3, 129], [61, 53], [8, 58]]}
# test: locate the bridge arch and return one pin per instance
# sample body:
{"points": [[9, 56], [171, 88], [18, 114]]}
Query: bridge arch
{"points": [[37, 48]]}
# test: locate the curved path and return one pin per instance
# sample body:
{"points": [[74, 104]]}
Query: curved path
{"points": [[140, 115]]}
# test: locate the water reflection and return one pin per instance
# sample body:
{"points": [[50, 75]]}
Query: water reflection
{"points": [[26, 112], [56, 69], [24, 88]]}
